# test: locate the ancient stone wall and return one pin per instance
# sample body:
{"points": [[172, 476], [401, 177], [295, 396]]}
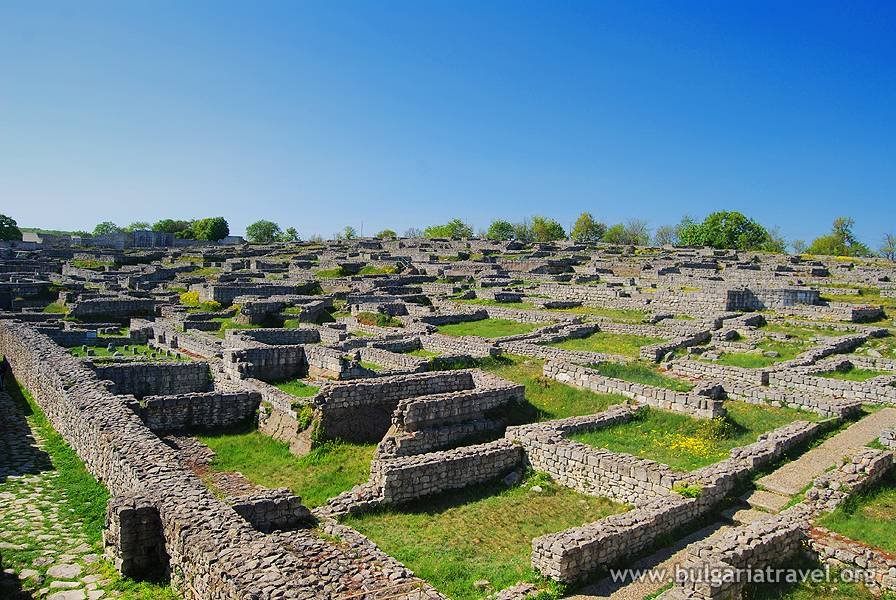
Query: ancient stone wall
{"points": [[688, 403], [192, 411], [156, 379]]}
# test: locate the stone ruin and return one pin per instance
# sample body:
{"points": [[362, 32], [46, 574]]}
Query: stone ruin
{"points": [[440, 423]]}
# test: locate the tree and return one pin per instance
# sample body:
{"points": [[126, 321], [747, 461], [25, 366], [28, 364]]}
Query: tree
{"points": [[637, 233], [9, 229], [665, 235], [840, 242], [413, 232], [211, 229], [290, 234], [724, 230], [263, 232], [387, 234], [454, 229], [522, 232], [500, 231], [171, 226], [799, 246], [348, 233], [888, 248], [105, 228], [547, 230], [775, 242], [633, 232], [586, 229], [137, 226]]}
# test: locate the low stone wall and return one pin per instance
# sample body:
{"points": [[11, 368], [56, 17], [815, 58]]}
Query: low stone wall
{"points": [[272, 509], [404, 479], [267, 363], [475, 347], [209, 546], [575, 554], [240, 338], [688, 403], [142, 379], [111, 308], [203, 411]]}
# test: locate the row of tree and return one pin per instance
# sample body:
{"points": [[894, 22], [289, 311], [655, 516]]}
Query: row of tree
{"points": [[721, 229], [208, 229]]}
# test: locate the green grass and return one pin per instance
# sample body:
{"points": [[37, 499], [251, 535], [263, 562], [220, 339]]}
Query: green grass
{"points": [[853, 374], [298, 388], [376, 319], [546, 398], [371, 270], [638, 372], [329, 273], [489, 328], [325, 472], [91, 264], [865, 296], [372, 366], [624, 344], [834, 589], [81, 497], [686, 443], [480, 533], [802, 332], [755, 360], [56, 308], [490, 302], [885, 345], [620, 315], [229, 323], [133, 351], [422, 353], [868, 517]]}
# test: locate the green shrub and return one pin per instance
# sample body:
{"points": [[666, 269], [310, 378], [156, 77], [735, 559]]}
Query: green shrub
{"points": [[692, 490]]}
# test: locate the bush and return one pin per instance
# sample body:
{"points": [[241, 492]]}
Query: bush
{"points": [[378, 320], [190, 298], [688, 490]]}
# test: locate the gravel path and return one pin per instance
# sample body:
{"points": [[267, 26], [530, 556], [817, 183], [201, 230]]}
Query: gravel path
{"points": [[793, 477]]}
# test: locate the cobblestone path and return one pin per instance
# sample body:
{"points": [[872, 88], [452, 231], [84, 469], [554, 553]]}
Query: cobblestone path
{"points": [[45, 552]]}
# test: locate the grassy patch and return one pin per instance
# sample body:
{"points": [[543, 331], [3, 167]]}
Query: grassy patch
{"points": [[298, 388], [833, 589], [624, 344], [132, 351], [803, 332], [546, 398], [756, 360], [488, 328], [868, 517], [489, 302], [230, 323], [376, 319], [480, 533], [422, 353], [647, 374], [620, 315], [852, 374], [686, 443], [57, 308], [325, 472], [91, 264], [329, 273], [865, 296]]}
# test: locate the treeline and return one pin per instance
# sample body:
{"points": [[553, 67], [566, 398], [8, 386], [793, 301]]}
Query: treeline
{"points": [[724, 230], [208, 229]]}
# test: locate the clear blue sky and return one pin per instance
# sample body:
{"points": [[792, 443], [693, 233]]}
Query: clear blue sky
{"points": [[399, 114]]}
